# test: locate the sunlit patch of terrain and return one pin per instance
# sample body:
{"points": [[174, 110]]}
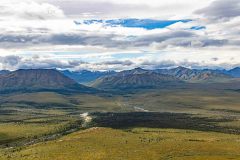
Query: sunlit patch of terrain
{"points": [[134, 144]]}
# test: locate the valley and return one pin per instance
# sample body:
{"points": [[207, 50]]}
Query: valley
{"points": [[119, 80], [173, 121]]}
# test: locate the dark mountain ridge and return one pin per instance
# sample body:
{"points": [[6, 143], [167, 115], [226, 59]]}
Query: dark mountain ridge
{"points": [[3, 72], [194, 75], [37, 79], [136, 78], [235, 72], [160, 78], [33, 79]]}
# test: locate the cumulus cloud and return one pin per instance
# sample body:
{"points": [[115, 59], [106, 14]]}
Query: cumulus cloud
{"points": [[95, 9], [165, 64], [42, 34], [161, 40], [29, 10], [35, 62], [221, 10], [117, 62], [149, 61], [10, 61]]}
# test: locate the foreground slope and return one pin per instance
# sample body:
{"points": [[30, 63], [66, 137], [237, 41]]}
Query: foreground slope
{"points": [[134, 144]]}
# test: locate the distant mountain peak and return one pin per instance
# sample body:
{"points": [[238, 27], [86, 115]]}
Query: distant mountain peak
{"points": [[135, 78], [186, 74], [235, 72], [236, 68], [139, 68], [39, 79], [182, 68], [3, 72], [35, 78]]}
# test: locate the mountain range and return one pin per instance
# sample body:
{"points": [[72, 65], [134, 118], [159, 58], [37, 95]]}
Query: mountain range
{"points": [[136, 78], [140, 78], [51, 79], [182, 73], [194, 75]]}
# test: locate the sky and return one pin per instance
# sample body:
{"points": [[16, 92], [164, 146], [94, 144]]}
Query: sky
{"points": [[119, 35]]}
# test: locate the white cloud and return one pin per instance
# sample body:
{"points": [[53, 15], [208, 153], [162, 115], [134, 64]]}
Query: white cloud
{"points": [[221, 10], [46, 28], [163, 9], [29, 10]]}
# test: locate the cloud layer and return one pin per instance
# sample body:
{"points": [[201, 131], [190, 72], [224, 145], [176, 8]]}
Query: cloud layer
{"points": [[116, 35]]}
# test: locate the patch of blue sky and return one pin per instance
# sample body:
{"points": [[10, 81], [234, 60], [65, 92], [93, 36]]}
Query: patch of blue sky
{"points": [[148, 24], [198, 27]]}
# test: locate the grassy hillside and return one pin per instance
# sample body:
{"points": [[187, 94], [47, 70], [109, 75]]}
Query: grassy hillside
{"points": [[30, 116], [33, 125], [134, 144], [187, 100]]}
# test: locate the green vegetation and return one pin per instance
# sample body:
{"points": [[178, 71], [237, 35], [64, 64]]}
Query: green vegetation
{"points": [[188, 100], [183, 122], [134, 144]]}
